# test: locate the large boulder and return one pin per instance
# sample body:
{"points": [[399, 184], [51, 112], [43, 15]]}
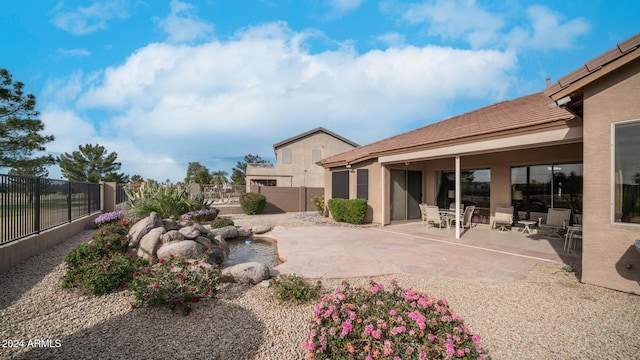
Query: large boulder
{"points": [[170, 224], [244, 232], [219, 242], [142, 227], [260, 229], [187, 248], [246, 273], [227, 232], [205, 242], [190, 232], [172, 235], [216, 257], [150, 243]]}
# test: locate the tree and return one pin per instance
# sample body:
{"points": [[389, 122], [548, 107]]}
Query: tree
{"points": [[136, 179], [20, 130], [219, 177], [197, 173], [240, 171], [91, 163]]}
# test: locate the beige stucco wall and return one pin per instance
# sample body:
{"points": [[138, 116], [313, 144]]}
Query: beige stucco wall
{"points": [[302, 171], [607, 246]]}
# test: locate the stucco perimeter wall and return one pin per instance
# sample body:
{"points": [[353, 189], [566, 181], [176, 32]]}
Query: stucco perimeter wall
{"points": [[608, 258], [288, 199], [17, 251]]}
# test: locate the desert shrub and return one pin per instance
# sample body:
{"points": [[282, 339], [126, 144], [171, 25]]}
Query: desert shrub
{"points": [[109, 217], [356, 210], [221, 222], [169, 201], [352, 211], [253, 203], [101, 266], [359, 323], [175, 283], [290, 287], [318, 202], [337, 208]]}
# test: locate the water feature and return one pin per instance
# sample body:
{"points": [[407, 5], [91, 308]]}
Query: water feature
{"points": [[250, 250]]}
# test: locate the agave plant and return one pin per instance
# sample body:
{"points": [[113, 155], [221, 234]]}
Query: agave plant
{"points": [[169, 201]]}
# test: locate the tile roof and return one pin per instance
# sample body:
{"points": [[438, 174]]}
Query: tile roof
{"points": [[596, 64], [312, 132], [527, 111]]}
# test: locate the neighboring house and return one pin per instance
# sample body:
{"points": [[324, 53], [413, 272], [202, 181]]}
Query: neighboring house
{"points": [[574, 146], [296, 160]]}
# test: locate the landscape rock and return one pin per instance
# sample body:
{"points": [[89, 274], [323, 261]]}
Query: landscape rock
{"points": [[227, 232], [205, 242], [220, 243], [244, 231], [170, 224], [172, 235], [246, 273], [260, 229], [142, 227], [187, 248], [203, 230], [216, 257], [190, 232], [150, 243]]}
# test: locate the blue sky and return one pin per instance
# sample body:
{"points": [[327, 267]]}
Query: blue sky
{"points": [[166, 82]]}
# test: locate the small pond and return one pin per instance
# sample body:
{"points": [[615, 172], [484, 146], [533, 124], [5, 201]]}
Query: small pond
{"points": [[250, 250]]}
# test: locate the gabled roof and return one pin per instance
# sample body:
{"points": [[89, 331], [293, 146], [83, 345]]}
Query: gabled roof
{"points": [[527, 111], [310, 133], [601, 63]]}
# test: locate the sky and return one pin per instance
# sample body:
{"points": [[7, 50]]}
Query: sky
{"points": [[165, 82]]}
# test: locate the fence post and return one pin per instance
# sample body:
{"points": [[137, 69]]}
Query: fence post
{"points": [[69, 187], [36, 206]]}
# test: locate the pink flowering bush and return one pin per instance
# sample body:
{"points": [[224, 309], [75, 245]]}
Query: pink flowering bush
{"points": [[375, 323], [176, 283]]}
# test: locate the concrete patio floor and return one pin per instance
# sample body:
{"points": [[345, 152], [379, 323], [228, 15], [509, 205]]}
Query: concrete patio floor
{"points": [[481, 254]]}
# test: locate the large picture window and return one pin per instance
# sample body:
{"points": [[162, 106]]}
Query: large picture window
{"points": [[475, 190], [626, 172]]}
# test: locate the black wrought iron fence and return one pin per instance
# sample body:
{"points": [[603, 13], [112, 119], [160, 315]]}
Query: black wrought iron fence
{"points": [[29, 205]]}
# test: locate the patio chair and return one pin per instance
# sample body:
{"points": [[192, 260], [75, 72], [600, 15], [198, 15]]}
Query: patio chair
{"points": [[503, 217], [557, 221], [466, 217], [574, 233], [433, 216]]}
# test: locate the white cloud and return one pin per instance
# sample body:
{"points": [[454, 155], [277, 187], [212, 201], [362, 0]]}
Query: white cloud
{"points": [[548, 31], [339, 8], [73, 52], [392, 39], [458, 19], [87, 19], [226, 99], [183, 25]]}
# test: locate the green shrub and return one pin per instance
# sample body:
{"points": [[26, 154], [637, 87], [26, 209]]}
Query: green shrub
{"points": [[169, 201], [175, 283], [253, 203], [221, 222], [359, 323], [337, 208], [352, 211], [290, 287], [101, 266], [318, 202]]}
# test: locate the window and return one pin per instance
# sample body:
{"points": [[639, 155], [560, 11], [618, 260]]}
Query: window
{"points": [[626, 172], [316, 155], [535, 189], [363, 184], [286, 156], [340, 184], [475, 190]]}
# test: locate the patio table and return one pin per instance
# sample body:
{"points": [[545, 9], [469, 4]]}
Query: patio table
{"points": [[527, 224]]}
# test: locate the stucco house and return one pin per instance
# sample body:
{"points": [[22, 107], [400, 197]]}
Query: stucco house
{"points": [[296, 160], [575, 145]]}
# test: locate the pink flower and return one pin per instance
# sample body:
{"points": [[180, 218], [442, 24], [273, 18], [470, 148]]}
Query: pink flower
{"points": [[368, 329], [376, 334], [393, 312], [346, 328], [460, 352]]}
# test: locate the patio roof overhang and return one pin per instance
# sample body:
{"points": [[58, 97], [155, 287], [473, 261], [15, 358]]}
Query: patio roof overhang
{"points": [[521, 141]]}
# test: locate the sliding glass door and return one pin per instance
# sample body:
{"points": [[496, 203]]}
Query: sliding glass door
{"points": [[406, 194]]}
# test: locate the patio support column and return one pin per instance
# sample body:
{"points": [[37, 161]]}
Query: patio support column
{"points": [[382, 197], [458, 197]]}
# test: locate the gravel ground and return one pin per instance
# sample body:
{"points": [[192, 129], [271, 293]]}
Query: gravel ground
{"points": [[547, 315]]}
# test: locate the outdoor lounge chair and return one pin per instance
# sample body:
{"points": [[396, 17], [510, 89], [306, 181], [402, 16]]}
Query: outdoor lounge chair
{"points": [[432, 216], [466, 217], [557, 220], [503, 217]]}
